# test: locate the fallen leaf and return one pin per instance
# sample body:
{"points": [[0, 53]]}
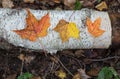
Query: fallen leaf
{"points": [[7, 4], [67, 30], [21, 57], [87, 61], [28, 1], [102, 6], [69, 3], [94, 28], [93, 72], [35, 28], [37, 77], [79, 53], [58, 8], [67, 52], [62, 29], [28, 59], [56, 1], [61, 74], [60, 24], [77, 76], [83, 74], [12, 76], [87, 3]]}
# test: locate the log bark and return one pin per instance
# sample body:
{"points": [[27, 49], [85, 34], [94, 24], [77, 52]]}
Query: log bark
{"points": [[12, 19]]}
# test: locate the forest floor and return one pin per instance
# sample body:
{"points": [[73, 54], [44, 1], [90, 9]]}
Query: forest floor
{"points": [[17, 60]]}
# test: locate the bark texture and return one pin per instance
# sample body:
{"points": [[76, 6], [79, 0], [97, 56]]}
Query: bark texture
{"points": [[12, 19]]}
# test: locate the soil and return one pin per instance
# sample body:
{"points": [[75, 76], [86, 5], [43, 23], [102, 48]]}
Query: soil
{"points": [[46, 65]]}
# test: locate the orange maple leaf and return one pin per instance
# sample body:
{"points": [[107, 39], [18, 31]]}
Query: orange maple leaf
{"points": [[35, 28], [94, 28]]}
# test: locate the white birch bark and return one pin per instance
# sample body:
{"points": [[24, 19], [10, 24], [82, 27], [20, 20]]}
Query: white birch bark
{"points": [[12, 19]]}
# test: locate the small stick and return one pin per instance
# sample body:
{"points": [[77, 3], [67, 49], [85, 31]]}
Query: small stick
{"points": [[64, 66], [21, 70], [105, 59], [71, 14]]}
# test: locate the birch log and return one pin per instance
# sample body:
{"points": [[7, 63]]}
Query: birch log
{"points": [[12, 19]]}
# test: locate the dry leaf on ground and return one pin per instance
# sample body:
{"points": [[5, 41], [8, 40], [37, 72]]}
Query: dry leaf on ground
{"points": [[21, 57], [28, 1], [67, 52], [7, 4], [87, 3], [26, 59], [77, 76], [102, 6], [56, 1], [61, 74], [12, 76], [69, 3], [79, 53], [93, 72], [37, 77], [58, 8], [83, 74]]}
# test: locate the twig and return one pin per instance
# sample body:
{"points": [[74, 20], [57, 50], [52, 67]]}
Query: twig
{"points": [[105, 59], [79, 62], [71, 14], [21, 70], [64, 66]]}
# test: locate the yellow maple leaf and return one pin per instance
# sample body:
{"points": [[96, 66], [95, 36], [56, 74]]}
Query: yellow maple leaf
{"points": [[61, 74], [34, 28], [94, 28], [73, 31], [67, 30]]}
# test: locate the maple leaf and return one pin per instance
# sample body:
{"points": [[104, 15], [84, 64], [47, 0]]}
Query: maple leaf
{"points": [[73, 30], [94, 28], [67, 30], [35, 28], [61, 74]]}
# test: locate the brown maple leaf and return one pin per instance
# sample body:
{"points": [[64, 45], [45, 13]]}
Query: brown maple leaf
{"points": [[62, 29], [94, 28], [35, 28]]}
